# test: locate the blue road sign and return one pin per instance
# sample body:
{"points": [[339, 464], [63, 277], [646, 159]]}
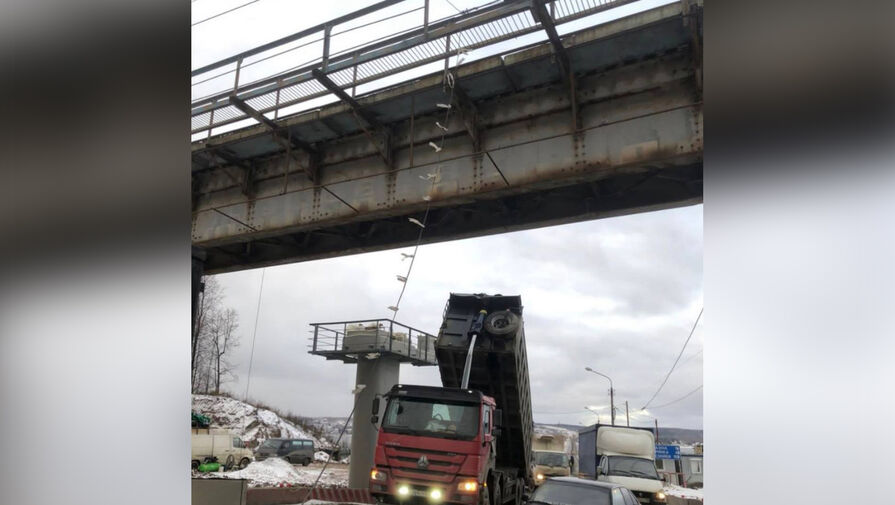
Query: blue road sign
{"points": [[668, 451]]}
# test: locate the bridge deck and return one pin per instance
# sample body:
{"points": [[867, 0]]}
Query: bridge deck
{"points": [[521, 150]]}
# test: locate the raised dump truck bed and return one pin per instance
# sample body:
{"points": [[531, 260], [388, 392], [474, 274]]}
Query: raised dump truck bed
{"points": [[499, 367]]}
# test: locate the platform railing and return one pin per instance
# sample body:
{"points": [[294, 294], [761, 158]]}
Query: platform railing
{"points": [[289, 84], [362, 337]]}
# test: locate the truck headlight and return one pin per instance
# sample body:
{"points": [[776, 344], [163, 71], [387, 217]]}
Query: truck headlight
{"points": [[540, 476], [468, 486], [403, 490], [435, 494], [378, 476], [660, 495]]}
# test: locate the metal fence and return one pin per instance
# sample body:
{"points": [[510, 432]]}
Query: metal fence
{"points": [[288, 84]]}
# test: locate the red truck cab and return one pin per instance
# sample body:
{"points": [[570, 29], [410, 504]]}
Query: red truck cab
{"points": [[435, 445]]}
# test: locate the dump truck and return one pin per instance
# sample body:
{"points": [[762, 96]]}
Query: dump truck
{"points": [[468, 441], [550, 454], [622, 455]]}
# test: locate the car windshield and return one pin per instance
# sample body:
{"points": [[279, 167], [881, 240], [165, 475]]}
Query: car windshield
{"points": [[270, 443], [565, 493], [430, 418], [632, 467], [551, 459]]}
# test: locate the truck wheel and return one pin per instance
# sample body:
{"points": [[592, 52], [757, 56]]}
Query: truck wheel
{"points": [[306, 462], [288, 460], [485, 498], [231, 462], [502, 322], [244, 462], [496, 495]]}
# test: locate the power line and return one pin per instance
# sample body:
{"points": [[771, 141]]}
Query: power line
{"points": [[452, 5], [675, 361], [225, 12], [254, 333], [679, 399]]}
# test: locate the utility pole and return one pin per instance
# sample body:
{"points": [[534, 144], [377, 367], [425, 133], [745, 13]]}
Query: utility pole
{"points": [[627, 415], [657, 430], [612, 404], [611, 395]]}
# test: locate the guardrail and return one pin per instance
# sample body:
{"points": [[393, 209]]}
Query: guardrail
{"points": [[287, 84]]}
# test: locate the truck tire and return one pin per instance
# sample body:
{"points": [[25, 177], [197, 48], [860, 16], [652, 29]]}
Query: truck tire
{"points": [[230, 463], [502, 322], [485, 497], [244, 462]]}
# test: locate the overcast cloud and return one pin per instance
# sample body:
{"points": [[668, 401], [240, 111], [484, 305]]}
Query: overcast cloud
{"points": [[619, 295]]}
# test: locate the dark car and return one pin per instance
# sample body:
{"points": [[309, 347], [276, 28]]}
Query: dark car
{"points": [[293, 450], [573, 491]]}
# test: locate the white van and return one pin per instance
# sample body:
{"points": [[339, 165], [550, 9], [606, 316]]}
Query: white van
{"points": [[228, 449]]}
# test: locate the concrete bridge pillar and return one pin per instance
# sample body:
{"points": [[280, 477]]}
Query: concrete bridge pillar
{"points": [[378, 376]]}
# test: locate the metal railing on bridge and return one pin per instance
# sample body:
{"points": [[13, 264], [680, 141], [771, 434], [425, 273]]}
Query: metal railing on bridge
{"points": [[287, 84], [349, 341]]}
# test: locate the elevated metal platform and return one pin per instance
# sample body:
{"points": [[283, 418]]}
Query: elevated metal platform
{"points": [[351, 341]]}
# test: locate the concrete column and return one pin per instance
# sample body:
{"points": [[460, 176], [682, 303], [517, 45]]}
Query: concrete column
{"points": [[378, 375]]}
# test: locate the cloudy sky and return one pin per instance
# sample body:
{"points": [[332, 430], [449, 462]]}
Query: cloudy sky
{"points": [[618, 295]]}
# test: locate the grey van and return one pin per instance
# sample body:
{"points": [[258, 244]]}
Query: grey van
{"points": [[293, 450]]}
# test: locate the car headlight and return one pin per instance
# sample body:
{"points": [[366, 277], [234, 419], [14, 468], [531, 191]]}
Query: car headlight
{"points": [[468, 486], [660, 495], [378, 476]]}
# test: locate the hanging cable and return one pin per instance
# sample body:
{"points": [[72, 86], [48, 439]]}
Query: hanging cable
{"points": [[254, 333], [451, 82], [679, 399], [675, 361], [225, 12]]}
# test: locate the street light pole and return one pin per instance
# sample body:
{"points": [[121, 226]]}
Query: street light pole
{"points": [[611, 394]]}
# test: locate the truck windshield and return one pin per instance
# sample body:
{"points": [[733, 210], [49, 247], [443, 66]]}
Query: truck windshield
{"points": [[551, 459], [632, 467], [430, 418], [271, 443]]}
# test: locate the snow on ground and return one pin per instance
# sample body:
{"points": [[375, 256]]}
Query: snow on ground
{"points": [[682, 492], [321, 456], [275, 472], [253, 425]]}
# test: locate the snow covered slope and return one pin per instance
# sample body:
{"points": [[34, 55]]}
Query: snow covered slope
{"points": [[252, 424]]}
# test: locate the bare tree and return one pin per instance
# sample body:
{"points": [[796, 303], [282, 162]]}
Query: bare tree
{"points": [[210, 303], [213, 340], [223, 342]]}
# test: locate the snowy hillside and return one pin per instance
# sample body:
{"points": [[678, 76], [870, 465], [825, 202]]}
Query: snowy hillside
{"points": [[252, 424], [331, 426]]}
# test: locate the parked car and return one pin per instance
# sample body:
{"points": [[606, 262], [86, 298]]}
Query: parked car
{"points": [[220, 445], [574, 491], [293, 450]]}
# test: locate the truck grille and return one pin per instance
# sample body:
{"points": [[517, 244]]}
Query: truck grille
{"points": [[443, 466]]}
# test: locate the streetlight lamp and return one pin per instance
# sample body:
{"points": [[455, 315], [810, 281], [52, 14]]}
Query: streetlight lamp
{"points": [[611, 393]]}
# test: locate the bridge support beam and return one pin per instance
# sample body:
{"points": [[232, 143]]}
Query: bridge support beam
{"points": [[377, 376]]}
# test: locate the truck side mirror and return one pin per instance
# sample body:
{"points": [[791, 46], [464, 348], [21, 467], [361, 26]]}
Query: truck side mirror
{"points": [[498, 418], [376, 405]]}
